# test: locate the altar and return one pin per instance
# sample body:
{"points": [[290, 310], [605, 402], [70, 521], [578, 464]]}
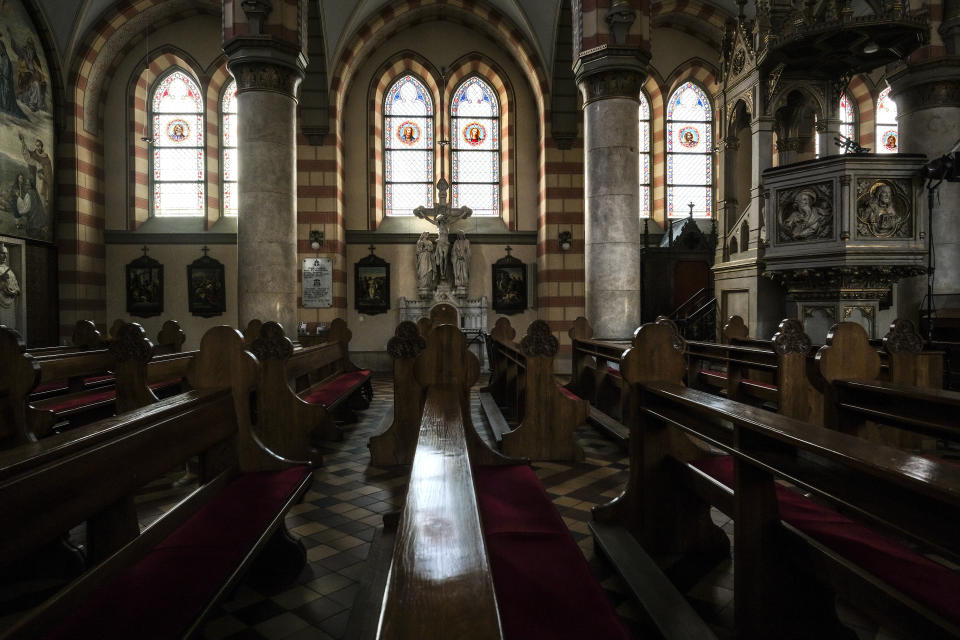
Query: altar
{"points": [[471, 318]]}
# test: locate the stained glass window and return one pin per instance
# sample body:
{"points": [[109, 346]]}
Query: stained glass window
{"points": [[228, 143], [644, 152], [689, 152], [888, 134], [846, 119], [177, 157], [475, 137], [407, 147]]}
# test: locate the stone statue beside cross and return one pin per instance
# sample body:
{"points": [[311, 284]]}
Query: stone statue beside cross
{"points": [[436, 265]]}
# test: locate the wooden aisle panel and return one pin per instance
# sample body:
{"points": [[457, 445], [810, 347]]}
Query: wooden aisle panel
{"points": [[396, 444], [547, 413]]}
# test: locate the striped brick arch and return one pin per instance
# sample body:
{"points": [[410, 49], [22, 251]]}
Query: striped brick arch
{"points": [[80, 165], [658, 146], [139, 126], [699, 19], [866, 106]]}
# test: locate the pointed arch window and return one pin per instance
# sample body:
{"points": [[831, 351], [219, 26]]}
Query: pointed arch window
{"points": [[888, 133], [475, 133], [408, 147], [643, 196], [847, 123], [689, 152], [228, 145], [177, 158]]}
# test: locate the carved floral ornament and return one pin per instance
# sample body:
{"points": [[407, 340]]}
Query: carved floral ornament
{"points": [[407, 342], [539, 341], [272, 343], [790, 338], [903, 337], [853, 282], [131, 344]]}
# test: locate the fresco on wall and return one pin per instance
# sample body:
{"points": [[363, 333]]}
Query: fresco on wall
{"points": [[26, 128]]}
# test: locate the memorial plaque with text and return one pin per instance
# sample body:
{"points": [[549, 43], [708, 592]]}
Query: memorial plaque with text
{"points": [[317, 283]]}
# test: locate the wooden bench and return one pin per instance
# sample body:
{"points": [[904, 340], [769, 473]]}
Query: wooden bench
{"points": [[488, 556], [546, 414], [854, 537], [304, 390], [160, 582]]}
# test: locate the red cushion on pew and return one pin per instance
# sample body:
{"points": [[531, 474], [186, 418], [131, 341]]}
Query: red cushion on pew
{"points": [[166, 383], [96, 379], [568, 393], [81, 401], [913, 574], [168, 588], [765, 385], [56, 385], [544, 587], [336, 388]]}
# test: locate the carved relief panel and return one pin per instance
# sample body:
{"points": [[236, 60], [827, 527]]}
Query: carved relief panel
{"points": [[805, 213], [883, 208]]}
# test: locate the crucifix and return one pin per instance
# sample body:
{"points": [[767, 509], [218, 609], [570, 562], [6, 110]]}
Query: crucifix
{"points": [[442, 215]]}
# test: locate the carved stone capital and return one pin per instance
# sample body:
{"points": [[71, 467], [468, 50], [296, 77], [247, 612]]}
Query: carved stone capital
{"points": [[619, 19], [611, 72], [930, 85], [256, 12], [257, 75]]}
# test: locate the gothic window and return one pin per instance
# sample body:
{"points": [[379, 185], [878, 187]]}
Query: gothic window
{"points": [[177, 158], [888, 135], [475, 133], [644, 149], [228, 143], [847, 129], [407, 147], [689, 152]]}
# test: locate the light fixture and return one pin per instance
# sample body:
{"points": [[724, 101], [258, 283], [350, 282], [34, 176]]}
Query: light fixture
{"points": [[870, 47], [565, 239], [316, 240]]}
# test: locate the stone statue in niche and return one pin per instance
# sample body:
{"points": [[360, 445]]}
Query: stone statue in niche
{"points": [[805, 213], [883, 210], [461, 263], [425, 264]]}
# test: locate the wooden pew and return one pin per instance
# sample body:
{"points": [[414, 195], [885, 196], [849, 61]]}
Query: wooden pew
{"points": [[462, 553], [301, 389], [85, 336], [792, 553], [162, 581], [546, 413], [143, 376]]}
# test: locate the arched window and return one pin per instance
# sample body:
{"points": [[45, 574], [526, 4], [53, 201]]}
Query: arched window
{"points": [[475, 133], [689, 155], [228, 144], [888, 135], [407, 147], [178, 139], [847, 128], [643, 196]]}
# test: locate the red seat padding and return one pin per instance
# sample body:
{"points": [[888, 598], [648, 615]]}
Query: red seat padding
{"points": [[765, 385], [97, 379], [161, 595], [335, 389], [166, 383], [56, 385], [568, 393], [544, 587], [911, 573], [81, 401]]}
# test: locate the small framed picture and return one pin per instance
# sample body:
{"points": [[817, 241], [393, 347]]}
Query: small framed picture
{"points": [[206, 289], [144, 280], [371, 280], [509, 286]]}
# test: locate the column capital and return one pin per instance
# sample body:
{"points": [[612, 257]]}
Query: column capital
{"points": [[261, 63], [927, 85], [607, 72]]}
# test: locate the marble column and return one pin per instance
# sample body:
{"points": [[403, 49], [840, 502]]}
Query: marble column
{"points": [[928, 115], [613, 236], [267, 81]]}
